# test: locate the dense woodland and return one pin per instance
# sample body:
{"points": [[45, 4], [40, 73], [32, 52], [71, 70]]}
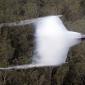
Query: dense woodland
{"points": [[16, 43]]}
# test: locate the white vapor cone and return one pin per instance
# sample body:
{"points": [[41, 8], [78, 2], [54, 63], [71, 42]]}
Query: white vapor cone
{"points": [[52, 43]]}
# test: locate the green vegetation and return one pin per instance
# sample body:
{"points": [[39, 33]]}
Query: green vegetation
{"points": [[16, 43]]}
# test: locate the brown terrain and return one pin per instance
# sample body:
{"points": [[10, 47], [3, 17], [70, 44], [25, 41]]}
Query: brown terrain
{"points": [[16, 43]]}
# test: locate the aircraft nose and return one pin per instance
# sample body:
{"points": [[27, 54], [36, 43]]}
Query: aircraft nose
{"points": [[83, 37]]}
